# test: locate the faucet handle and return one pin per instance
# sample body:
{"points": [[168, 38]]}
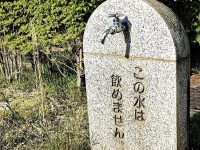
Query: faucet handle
{"points": [[116, 15]]}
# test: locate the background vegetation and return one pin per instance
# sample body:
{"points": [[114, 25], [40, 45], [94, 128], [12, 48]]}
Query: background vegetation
{"points": [[189, 13], [41, 71]]}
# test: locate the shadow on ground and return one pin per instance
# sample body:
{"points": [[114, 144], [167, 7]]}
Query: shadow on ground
{"points": [[195, 132]]}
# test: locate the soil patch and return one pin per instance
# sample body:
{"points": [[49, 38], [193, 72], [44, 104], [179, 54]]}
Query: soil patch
{"points": [[194, 94], [195, 80]]}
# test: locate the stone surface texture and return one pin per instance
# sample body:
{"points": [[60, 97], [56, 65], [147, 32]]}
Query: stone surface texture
{"points": [[157, 52]]}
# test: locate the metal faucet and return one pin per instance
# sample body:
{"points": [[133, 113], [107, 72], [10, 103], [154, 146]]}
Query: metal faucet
{"points": [[118, 26]]}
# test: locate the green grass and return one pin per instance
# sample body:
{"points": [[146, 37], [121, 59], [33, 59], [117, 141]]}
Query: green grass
{"points": [[51, 117], [28, 126]]}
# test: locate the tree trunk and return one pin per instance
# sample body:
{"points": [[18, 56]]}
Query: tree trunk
{"points": [[2, 64], [79, 69]]}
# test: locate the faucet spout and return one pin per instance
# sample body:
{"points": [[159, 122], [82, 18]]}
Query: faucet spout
{"points": [[105, 33]]}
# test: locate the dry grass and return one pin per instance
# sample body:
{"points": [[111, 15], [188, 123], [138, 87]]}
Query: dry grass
{"points": [[36, 121]]}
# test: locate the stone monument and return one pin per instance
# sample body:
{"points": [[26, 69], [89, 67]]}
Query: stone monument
{"points": [[137, 77]]}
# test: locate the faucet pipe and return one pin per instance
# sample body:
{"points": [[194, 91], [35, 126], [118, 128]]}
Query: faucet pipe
{"points": [[105, 33], [112, 30]]}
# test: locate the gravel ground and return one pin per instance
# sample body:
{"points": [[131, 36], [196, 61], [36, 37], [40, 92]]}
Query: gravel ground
{"points": [[195, 97], [194, 94]]}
